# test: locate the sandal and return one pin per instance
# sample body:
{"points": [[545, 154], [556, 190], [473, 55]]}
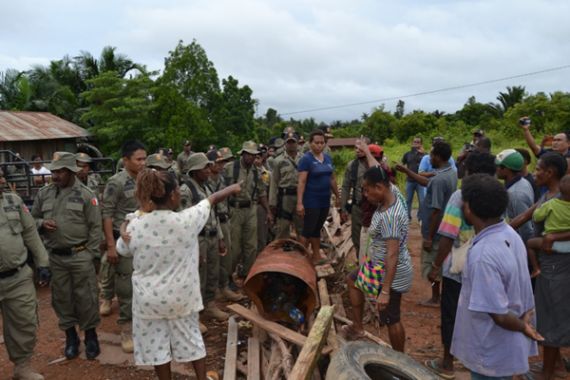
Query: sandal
{"points": [[429, 303], [349, 333], [433, 365]]}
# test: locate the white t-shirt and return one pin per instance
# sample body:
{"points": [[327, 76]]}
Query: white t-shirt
{"points": [[43, 170], [164, 247]]}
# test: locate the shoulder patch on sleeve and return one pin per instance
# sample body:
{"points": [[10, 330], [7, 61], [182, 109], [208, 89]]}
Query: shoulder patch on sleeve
{"points": [[94, 201]]}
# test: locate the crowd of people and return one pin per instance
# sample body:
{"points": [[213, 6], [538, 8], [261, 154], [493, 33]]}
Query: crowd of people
{"points": [[175, 236]]}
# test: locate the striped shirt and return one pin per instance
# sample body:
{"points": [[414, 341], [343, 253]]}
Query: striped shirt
{"points": [[391, 224]]}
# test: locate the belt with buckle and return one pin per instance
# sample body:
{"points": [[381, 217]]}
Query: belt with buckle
{"points": [[11, 272], [240, 204], [287, 191], [69, 251], [208, 232]]}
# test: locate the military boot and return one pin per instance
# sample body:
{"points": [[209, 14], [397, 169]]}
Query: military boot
{"points": [[92, 349], [212, 311], [230, 295], [127, 338], [24, 371], [71, 343]]}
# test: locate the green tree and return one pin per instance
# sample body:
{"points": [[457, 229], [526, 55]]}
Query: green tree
{"points": [[399, 109]]}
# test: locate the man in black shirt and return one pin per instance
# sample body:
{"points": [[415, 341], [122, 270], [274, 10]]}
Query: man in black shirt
{"points": [[412, 161]]}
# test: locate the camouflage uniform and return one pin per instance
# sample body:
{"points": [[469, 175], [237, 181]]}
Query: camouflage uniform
{"points": [[243, 213], [283, 195]]}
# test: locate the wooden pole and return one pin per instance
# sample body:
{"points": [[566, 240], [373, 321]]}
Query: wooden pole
{"points": [[231, 350], [307, 360]]}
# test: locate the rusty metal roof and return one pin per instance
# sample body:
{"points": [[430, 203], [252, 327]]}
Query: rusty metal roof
{"points": [[342, 142], [25, 126]]}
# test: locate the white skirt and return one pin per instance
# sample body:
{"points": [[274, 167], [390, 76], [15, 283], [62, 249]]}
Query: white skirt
{"points": [[159, 341]]}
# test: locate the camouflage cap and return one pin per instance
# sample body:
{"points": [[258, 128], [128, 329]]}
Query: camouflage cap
{"points": [[249, 147], [63, 160], [157, 160], [84, 158], [198, 161], [224, 154]]}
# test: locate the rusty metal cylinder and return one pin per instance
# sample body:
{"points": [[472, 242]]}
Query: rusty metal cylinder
{"points": [[282, 257]]}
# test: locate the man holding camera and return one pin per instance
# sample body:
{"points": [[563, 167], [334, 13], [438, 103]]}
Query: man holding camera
{"points": [[560, 141]]}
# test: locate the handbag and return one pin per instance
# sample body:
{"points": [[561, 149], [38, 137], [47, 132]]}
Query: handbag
{"points": [[370, 278], [459, 256]]}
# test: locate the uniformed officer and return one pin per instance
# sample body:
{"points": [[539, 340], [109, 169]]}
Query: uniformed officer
{"points": [[68, 216], [18, 301], [88, 178], [158, 161], [217, 183], [278, 145], [183, 157], [210, 239], [118, 201], [243, 214], [264, 234], [352, 189], [283, 190]]}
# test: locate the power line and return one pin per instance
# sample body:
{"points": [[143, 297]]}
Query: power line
{"points": [[558, 68]]}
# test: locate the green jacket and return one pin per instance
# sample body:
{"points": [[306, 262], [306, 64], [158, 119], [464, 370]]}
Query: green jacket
{"points": [[119, 198]]}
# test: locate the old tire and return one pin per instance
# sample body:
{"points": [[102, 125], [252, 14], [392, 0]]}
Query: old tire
{"points": [[362, 360]]}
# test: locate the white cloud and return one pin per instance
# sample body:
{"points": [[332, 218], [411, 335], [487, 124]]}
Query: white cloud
{"points": [[307, 54]]}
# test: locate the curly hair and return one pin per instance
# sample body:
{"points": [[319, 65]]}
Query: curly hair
{"points": [[154, 187], [486, 196]]}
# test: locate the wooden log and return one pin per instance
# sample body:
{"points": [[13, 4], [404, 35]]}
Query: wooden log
{"points": [[286, 357], [336, 300], [274, 363], [231, 350], [326, 301], [253, 369], [307, 360], [372, 337], [272, 327]]}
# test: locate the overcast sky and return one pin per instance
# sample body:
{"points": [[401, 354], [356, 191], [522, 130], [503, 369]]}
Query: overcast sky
{"points": [[300, 54]]}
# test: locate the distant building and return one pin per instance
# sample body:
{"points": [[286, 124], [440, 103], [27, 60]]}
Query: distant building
{"points": [[30, 133], [339, 143]]}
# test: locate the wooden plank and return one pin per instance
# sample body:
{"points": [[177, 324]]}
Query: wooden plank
{"points": [[372, 337], [253, 366], [272, 327], [336, 300], [326, 301], [334, 249], [272, 370], [231, 350], [324, 270], [307, 360], [286, 357]]}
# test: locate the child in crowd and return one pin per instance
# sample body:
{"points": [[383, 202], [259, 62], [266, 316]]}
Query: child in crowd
{"points": [[556, 217]]}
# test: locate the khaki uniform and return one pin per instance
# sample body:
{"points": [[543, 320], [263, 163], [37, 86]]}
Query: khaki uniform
{"points": [[283, 195], [182, 162], [72, 247], [94, 180], [18, 302], [353, 190], [263, 233], [118, 201], [208, 239], [243, 214], [227, 262]]}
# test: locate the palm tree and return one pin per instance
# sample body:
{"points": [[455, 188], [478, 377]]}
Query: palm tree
{"points": [[512, 96]]}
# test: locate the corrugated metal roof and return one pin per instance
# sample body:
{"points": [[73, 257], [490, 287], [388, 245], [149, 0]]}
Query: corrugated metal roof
{"points": [[25, 126], [341, 142]]}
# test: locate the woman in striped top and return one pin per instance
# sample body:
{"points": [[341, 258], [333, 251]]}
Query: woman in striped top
{"points": [[389, 245]]}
